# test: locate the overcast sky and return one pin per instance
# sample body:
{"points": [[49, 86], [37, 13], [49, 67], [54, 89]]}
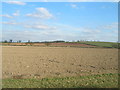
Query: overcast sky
{"points": [[43, 21]]}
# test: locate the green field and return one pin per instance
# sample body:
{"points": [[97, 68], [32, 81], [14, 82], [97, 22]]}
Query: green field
{"points": [[102, 44], [93, 81]]}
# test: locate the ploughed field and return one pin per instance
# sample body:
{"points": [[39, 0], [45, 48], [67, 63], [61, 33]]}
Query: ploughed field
{"points": [[19, 62], [50, 44]]}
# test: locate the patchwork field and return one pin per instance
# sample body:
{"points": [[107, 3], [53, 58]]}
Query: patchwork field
{"points": [[28, 62]]}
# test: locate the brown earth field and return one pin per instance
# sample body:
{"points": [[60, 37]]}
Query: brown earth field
{"points": [[50, 44], [40, 62]]}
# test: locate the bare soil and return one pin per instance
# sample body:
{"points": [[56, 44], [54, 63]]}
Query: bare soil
{"points": [[50, 44], [41, 62]]}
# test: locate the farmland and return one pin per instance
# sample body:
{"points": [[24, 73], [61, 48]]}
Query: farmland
{"points": [[82, 44], [59, 64], [59, 44]]}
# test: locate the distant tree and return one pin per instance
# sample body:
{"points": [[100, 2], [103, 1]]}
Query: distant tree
{"points": [[58, 41], [28, 41], [73, 41], [5, 41], [10, 40], [19, 41]]}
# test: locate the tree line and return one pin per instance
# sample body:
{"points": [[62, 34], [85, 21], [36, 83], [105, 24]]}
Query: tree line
{"points": [[57, 41]]}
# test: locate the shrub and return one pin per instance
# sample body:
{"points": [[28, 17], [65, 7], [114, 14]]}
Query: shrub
{"points": [[116, 45]]}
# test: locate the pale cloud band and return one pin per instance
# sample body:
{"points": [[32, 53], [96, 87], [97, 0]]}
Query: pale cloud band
{"points": [[15, 2], [41, 27], [41, 13], [6, 15], [9, 16]]}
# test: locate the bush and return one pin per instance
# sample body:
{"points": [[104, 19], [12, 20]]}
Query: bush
{"points": [[116, 46]]}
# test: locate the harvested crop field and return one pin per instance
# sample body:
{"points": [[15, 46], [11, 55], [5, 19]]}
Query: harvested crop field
{"points": [[41, 62]]}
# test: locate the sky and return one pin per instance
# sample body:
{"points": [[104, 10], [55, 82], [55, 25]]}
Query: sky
{"points": [[69, 21]]}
